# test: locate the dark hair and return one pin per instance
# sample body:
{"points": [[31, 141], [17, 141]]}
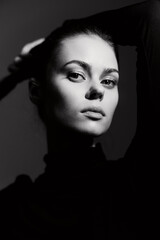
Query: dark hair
{"points": [[42, 54]]}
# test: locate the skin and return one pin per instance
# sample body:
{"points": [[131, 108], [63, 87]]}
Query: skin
{"points": [[85, 76]]}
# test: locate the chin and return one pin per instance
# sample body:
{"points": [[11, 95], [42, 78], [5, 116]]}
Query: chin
{"points": [[89, 129], [94, 131]]}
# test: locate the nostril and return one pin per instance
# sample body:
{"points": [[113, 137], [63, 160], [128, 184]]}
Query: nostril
{"points": [[95, 94]]}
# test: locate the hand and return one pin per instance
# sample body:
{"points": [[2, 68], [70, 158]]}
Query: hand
{"points": [[8, 83], [24, 54]]}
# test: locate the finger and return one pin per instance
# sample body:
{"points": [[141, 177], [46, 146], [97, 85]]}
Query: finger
{"points": [[12, 68], [15, 65], [19, 59], [26, 49]]}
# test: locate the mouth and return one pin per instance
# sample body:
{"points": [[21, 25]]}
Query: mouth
{"points": [[94, 113]]}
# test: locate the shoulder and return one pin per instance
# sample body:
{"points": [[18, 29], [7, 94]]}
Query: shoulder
{"points": [[11, 199], [22, 183]]}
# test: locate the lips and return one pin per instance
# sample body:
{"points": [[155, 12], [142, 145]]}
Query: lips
{"points": [[95, 113]]}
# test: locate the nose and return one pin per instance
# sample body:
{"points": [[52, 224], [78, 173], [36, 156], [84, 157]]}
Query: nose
{"points": [[96, 91]]}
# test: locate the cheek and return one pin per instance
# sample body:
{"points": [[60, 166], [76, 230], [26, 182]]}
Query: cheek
{"points": [[110, 102], [63, 98], [68, 96]]}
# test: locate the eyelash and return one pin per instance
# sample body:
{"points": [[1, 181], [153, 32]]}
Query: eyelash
{"points": [[112, 83], [73, 76]]}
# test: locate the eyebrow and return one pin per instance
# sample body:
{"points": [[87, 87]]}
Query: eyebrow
{"points": [[87, 67]]}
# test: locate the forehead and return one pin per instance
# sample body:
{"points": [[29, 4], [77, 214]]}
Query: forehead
{"points": [[89, 48]]}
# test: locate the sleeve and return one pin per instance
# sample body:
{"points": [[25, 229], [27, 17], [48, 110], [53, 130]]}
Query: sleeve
{"points": [[139, 25], [11, 198]]}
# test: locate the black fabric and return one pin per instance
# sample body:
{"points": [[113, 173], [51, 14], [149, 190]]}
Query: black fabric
{"points": [[79, 195]]}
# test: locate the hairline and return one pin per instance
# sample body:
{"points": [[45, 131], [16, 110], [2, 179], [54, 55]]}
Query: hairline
{"points": [[86, 32]]}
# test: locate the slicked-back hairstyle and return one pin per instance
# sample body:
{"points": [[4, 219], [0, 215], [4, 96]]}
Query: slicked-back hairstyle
{"points": [[47, 51]]}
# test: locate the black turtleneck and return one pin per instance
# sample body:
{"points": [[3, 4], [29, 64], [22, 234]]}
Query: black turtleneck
{"points": [[79, 194]]}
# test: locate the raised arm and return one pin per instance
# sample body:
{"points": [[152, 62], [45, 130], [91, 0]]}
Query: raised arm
{"points": [[139, 25], [18, 69]]}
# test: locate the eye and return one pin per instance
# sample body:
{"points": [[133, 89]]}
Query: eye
{"points": [[109, 83], [74, 76]]}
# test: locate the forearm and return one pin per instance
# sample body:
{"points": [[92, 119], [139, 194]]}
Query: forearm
{"points": [[127, 24]]}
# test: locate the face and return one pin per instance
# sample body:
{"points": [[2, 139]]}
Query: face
{"points": [[81, 90]]}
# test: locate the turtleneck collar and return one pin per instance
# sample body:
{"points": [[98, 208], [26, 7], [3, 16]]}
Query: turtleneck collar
{"points": [[71, 159]]}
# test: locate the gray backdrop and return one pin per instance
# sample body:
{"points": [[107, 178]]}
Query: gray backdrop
{"points": [[22, 135]]}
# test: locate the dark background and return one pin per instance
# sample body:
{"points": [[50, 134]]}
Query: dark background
{"points": [[22, 135]]}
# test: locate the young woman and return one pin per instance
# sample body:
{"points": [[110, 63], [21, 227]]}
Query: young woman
{"points": [[74, 77]]}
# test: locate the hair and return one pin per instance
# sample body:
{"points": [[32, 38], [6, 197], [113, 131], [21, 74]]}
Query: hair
{"points": [[36, 63], [46, 53]]}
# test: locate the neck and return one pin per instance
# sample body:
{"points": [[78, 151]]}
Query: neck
{"points": [[64, 140]]}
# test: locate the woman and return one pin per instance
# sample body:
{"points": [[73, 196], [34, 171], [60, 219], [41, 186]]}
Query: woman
{"points": [[81, 194]]}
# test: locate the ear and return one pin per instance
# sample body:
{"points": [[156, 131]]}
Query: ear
{"points": [[35, 91]]}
